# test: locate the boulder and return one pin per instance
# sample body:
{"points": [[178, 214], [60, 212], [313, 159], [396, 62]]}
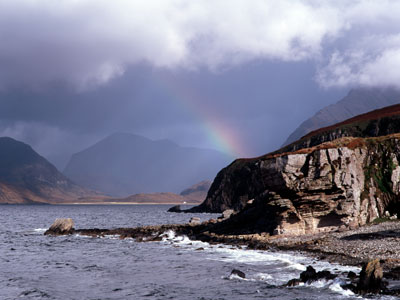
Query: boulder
{"points": [[226, 214], [175, 209], [238, 273], [61, 227], [195, 221], [371, 278], [310, 275]]}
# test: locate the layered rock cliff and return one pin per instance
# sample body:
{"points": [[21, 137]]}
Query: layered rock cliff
{"points": [[344, 175], [348, 182]]}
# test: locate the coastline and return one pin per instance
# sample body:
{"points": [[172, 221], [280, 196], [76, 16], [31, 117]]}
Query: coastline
{"points": [[378, 243], [348, 247], [125, 203]]}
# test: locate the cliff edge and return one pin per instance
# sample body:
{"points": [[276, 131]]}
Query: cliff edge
{"points": [[343, 176]]}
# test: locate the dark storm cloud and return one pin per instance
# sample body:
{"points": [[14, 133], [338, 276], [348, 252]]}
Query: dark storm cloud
{"points": [[72, 72], [89, 42]]}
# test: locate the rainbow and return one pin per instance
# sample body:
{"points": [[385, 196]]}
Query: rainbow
{"points": [[219, 134]]}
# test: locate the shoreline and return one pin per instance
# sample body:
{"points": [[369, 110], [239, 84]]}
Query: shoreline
{"points": [[350, 247], [373, 244], [124, 203]]}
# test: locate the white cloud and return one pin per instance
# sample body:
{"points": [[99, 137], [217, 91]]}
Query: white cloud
{"points": [[89, 42]]}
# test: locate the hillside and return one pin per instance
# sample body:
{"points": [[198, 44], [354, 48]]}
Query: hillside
{"points": [[192, 195], [27, 177], [341, 176], [125, 164], [357, 101]]}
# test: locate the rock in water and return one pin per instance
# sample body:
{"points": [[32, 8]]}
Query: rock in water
{"points": [[195, 221], [308, 275], [61, 227], [176, 209], [238, 273], [371, 278]]}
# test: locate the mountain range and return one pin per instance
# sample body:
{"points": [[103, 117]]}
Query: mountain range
{"points": [[123, 164]]}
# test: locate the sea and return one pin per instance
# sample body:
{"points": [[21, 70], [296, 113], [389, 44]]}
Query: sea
{"points": [[34, 266]]}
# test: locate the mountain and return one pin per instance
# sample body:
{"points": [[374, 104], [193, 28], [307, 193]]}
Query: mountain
{"points": [[124, 164], [197, 192], [27, 177], [192, 195], [341, 176], [357, 101]]}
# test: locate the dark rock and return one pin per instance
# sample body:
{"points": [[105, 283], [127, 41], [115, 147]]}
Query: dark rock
{"points": [[351, 275], [175, 209], [238, 273], [371, 278], [199, 249], [308, 275], [393, 274], [293, 282], [61, 227]]}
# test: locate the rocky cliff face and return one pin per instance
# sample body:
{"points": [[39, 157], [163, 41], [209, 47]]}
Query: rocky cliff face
{"points": [[348, 182], [379, 122]]}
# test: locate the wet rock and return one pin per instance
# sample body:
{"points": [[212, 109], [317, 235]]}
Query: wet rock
{"points": [[310, 275], [238, 273], [61, 227], [351, 275], [293, 282], [194, 221], [371, 278], [393, 274], [175, 209]]}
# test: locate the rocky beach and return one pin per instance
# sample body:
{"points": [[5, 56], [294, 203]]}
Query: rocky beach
{"points": [[356, 247]]}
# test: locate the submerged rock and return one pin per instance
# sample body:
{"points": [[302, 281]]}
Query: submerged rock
{"points": [[61, 227], [238, 273]]}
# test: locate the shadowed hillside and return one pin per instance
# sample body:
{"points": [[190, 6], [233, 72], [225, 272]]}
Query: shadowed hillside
{"points": [[125, 164], [27, 177], [357, 101]]}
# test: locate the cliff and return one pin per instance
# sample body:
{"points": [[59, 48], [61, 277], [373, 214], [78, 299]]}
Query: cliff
{"points": [[356, 102], [348, 183], [326, 181]]}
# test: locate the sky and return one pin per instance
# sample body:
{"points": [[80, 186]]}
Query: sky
{"points": [[233, 75]]}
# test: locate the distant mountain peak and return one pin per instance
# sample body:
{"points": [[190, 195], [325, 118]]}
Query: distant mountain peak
{"points": [[123, 164]]}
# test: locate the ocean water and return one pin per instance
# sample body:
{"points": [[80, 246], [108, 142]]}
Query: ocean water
{"points": [[34, 266]]}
